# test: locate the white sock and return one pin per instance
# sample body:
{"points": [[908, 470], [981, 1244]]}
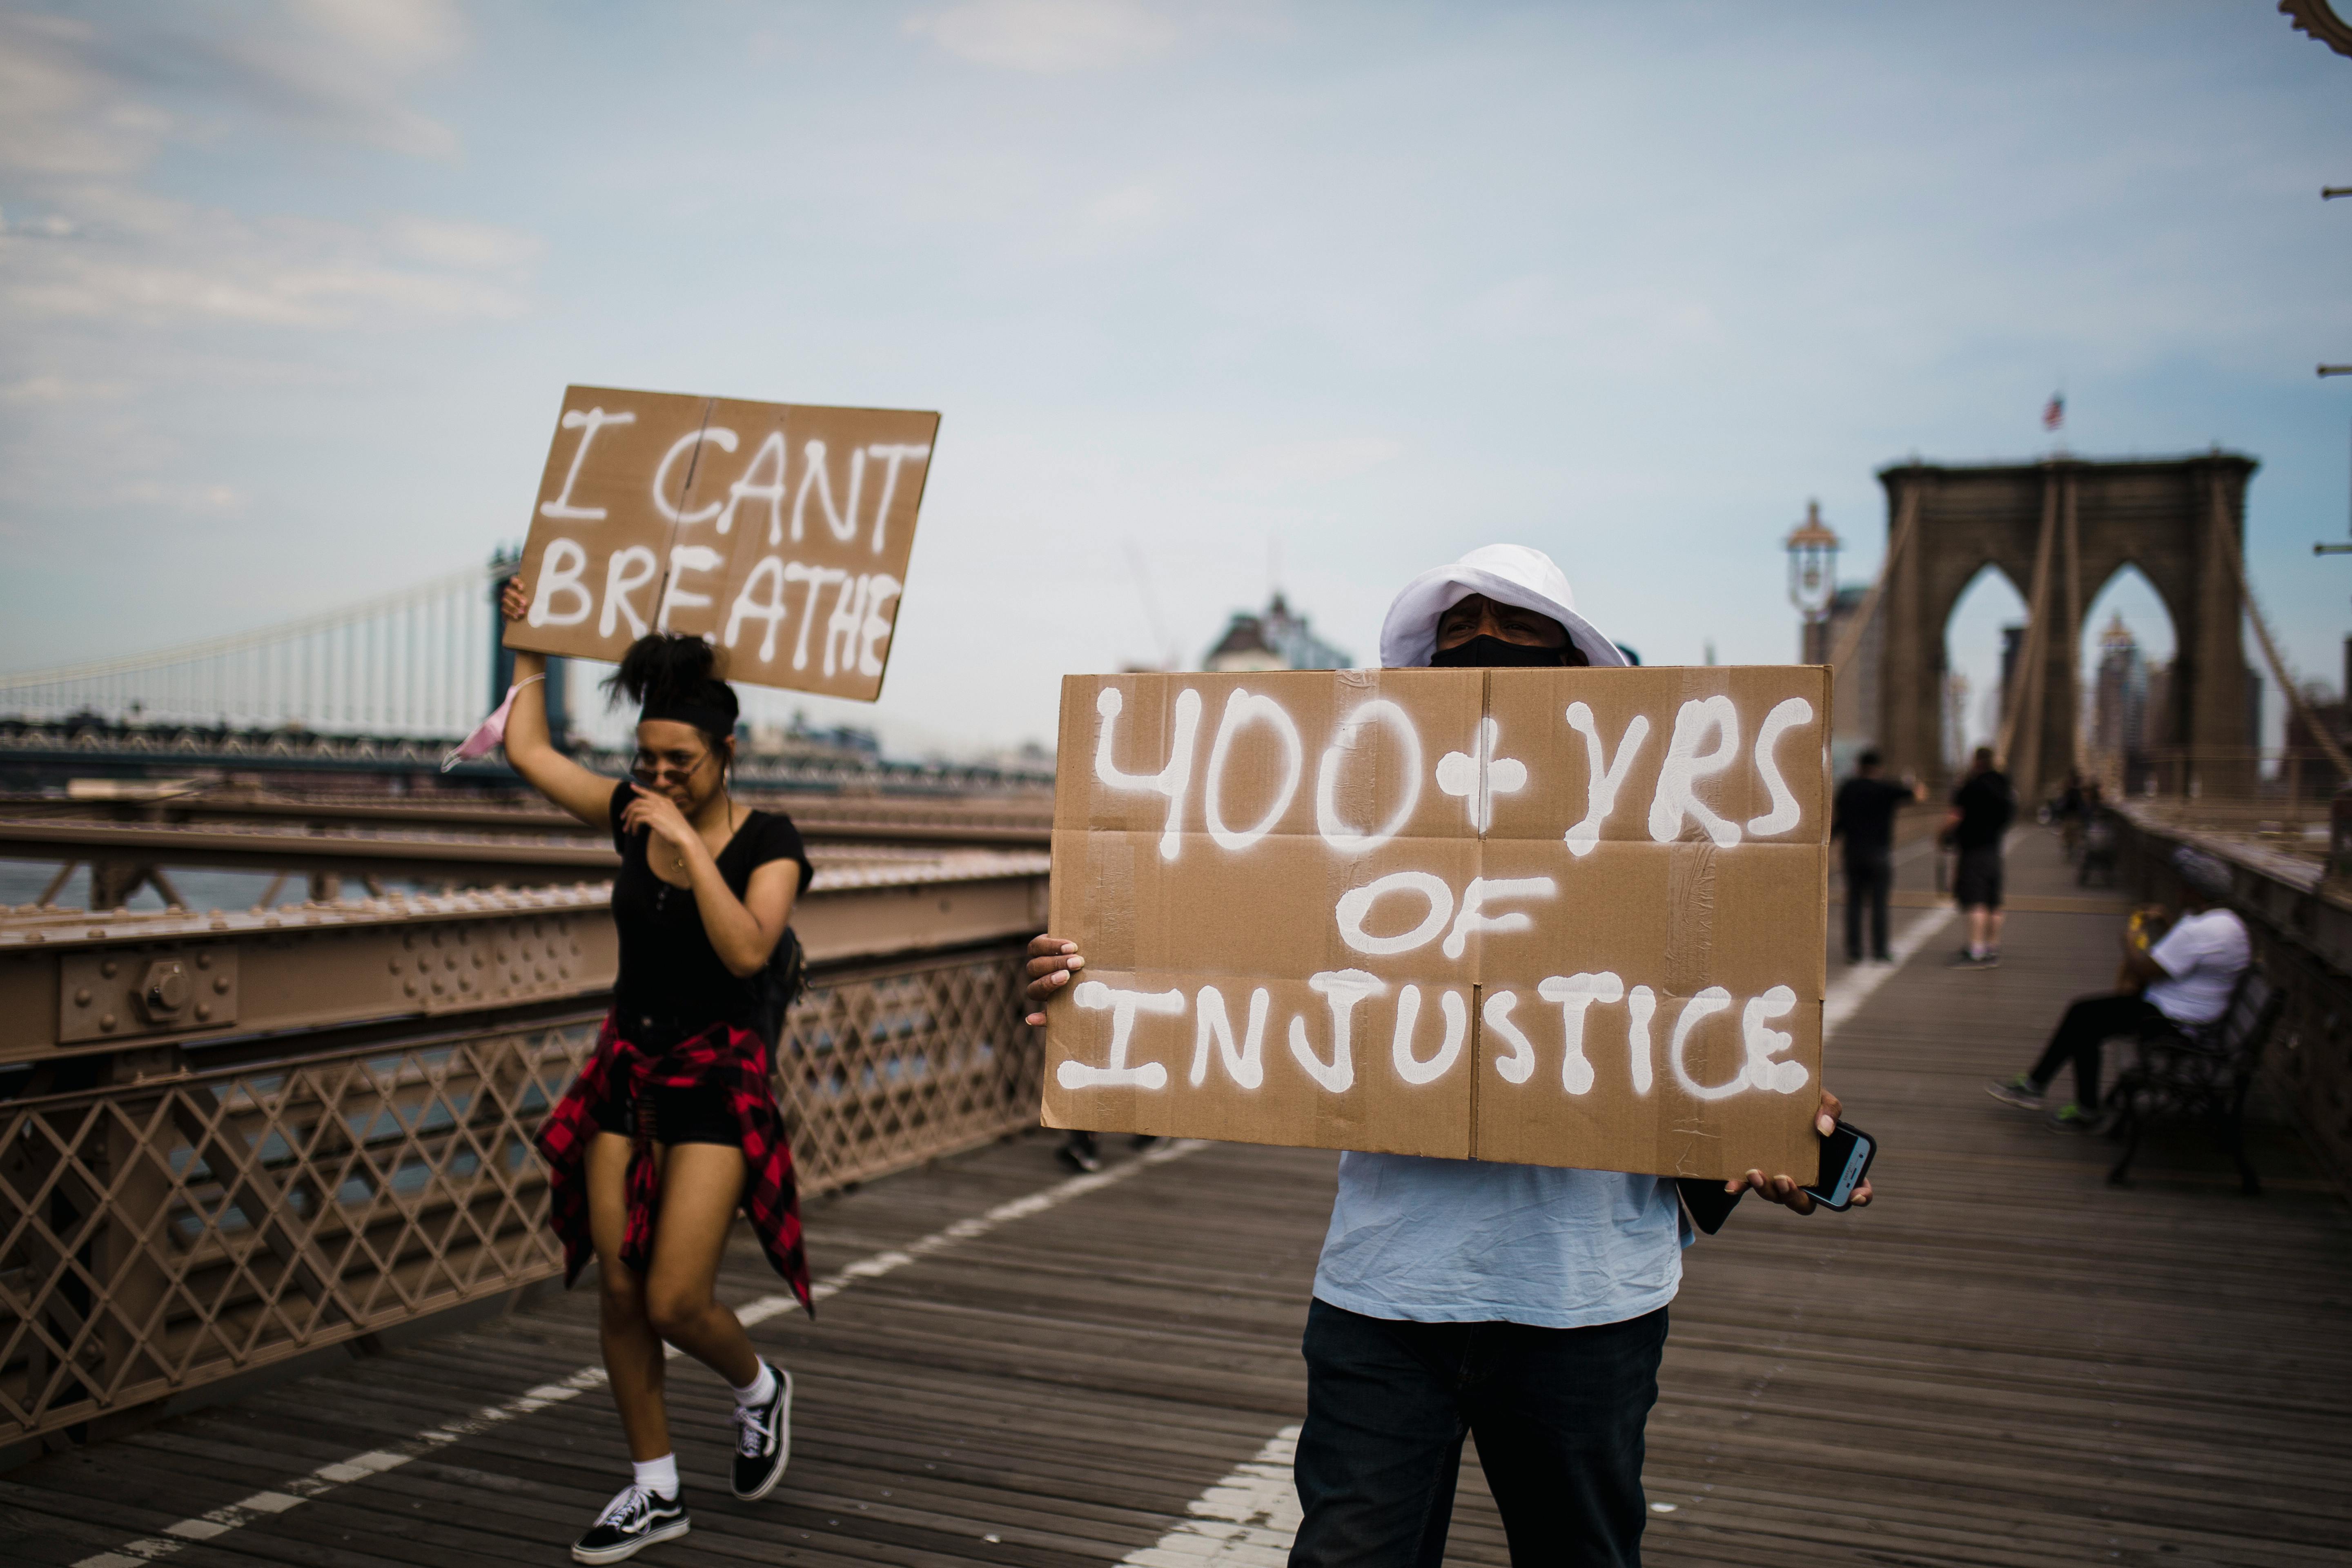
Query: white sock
{"points": [[759, 1389], [660, 1476]]}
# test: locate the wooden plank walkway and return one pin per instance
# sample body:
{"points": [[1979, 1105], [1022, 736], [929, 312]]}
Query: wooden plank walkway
{"points": [[2004, 1361]]}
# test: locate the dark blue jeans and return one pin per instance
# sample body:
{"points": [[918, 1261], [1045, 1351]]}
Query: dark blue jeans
{"points": [[1559, 1414]]}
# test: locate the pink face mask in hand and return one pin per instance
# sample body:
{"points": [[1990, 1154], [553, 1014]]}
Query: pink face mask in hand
{"points": [[489, 734]]}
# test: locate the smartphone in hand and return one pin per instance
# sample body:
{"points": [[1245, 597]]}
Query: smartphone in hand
{"points": [[1846, 1154]]}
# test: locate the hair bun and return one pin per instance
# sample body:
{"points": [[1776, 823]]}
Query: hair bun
{"points": [[665, 669]]}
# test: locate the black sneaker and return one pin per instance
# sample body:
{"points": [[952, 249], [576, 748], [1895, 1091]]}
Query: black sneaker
{"points": [[634, 1519], [1078, 1154], [763, 1441]]}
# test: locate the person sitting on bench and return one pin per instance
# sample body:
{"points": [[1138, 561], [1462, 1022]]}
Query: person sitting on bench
{"points": [[2184, 980]]}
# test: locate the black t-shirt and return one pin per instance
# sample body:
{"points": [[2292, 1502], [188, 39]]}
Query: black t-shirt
{"points": [[672, 981], [1864, 814], [1986, 804]]}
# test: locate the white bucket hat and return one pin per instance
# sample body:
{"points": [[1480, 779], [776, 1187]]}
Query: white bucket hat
{"points": [[1506, 573]]}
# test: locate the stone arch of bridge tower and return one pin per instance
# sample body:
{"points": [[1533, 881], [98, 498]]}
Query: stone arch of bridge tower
{"points": [[2060, 530]]}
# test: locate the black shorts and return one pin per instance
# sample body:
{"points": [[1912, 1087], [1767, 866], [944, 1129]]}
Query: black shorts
{"points": [[681, 1115], [1977, 883]]}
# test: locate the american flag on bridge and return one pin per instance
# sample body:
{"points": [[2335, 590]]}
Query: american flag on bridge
{"points": [[2053, 414]]}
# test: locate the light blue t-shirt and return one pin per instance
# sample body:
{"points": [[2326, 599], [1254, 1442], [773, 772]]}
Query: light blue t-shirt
{"points": [[1469, 1241]]}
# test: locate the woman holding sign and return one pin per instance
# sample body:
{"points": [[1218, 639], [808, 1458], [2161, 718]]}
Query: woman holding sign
{"points": [[672, 1125]]}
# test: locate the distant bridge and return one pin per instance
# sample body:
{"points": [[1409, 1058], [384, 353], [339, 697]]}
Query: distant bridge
{"points": [[383, 687], [416, 662]]}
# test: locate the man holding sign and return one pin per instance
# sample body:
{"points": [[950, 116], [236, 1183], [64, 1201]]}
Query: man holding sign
{"points": [[1473, 1278]]}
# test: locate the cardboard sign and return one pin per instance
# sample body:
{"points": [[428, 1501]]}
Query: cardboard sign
{"points": [[1557, 917], [779, 532]]}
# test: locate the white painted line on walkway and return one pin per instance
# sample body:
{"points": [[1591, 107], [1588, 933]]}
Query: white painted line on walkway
{"points": [[1246, 1521], [360, 1467], [1857, 985]]}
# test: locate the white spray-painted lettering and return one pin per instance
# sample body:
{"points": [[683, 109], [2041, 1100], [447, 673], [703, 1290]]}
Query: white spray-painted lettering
{"points": [[1457, 1029], [561, 508], [1764, 1043], [768, 571], [684, 558], [1686, 764], [1342, 989], [1172, 780], [750, 485], [817, 578], [1478, 775], [722, 440], [857, 627], [1641, 1003], [890, 456], [1475, 918], [1604, 777], [1123, 1006], [1575, 993], [1240, 708], [1245, 1066], [629, 570], [1337, 833], [1707, 1003], [560, 571], [813, 475], [1356, 902], [1786, 813], [1496, 1011]]}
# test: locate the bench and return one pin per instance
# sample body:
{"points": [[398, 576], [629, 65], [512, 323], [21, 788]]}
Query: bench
{"points": [[2200, 1071]]}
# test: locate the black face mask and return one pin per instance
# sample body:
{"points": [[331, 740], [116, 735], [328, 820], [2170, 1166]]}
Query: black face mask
{"points": [[1487, 653]]}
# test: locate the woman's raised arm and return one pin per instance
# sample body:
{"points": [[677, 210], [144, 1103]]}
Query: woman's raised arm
{"points": [[530, 750]]}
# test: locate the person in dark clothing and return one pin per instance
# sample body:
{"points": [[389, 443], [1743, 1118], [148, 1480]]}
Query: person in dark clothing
{"points": [[1982, 809], [672, 1124], [1864, 819]]}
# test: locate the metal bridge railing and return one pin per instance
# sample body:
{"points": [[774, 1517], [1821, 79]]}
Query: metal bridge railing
{"points": [[158, 1236]]}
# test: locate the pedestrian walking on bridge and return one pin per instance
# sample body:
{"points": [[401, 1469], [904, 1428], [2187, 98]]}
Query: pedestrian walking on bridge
{"points": [[1982, 809], [672, 1125]]}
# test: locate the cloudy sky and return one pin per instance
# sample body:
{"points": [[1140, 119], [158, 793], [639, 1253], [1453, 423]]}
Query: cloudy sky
{"points": [[1211, 295]]}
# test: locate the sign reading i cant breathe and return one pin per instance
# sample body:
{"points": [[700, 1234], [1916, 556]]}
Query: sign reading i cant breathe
{"points": [[779, 532], [1557, 917]]}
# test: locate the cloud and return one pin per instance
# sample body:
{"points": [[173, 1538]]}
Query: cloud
{"points": [[62, 112], [474, 245], [58, 389], [1047, 36], [85, 107], [135, 258], [77, 97]]}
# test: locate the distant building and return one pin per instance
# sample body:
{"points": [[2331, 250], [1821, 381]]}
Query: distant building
{"points": [[801, 742], [2012, 648], [2117, 744], [1854, 727], [1275, 639], [1955, 720]]}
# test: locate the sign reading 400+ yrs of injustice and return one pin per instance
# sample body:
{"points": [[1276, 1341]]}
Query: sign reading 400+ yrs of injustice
{"points": [[1564, 917]]}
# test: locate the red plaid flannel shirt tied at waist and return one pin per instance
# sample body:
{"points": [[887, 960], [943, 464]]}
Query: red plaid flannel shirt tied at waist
{"points": [[732, 1060]]}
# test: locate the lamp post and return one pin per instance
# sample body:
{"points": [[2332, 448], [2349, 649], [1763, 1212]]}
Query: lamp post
{"points": [[1812, 549]]}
